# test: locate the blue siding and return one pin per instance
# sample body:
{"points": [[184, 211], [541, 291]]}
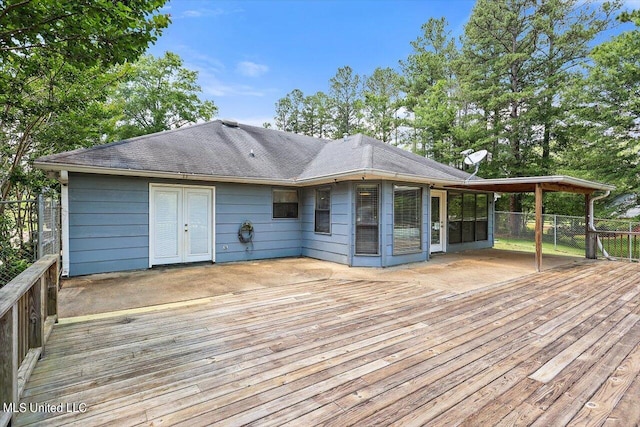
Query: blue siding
{"points": [[108, 224], [386, 257], [273, 238], [329, 247]]}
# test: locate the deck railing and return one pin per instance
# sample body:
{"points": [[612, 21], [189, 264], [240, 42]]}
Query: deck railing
{"points": [[621, 245], [28, 310]]}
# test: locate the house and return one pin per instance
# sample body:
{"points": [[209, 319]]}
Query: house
{"points": [[222, 192]]}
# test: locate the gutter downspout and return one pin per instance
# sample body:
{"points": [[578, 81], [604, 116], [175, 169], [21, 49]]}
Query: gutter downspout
{"points": [[64, 220], [592, 226]]}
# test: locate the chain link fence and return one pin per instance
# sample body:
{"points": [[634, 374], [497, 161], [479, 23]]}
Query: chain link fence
{"points": [[29, 229], [561, 234]]}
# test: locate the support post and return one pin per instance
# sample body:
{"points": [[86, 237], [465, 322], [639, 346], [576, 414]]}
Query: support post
{"points": [[40, 250], [64, 220], [538, 232], [35, 314], [8, 363], [590, 237], [630, 244], [555, 232], [52, 290]]}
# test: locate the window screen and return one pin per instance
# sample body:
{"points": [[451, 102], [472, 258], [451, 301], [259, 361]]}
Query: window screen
{"points": [[285, 203], [454, 209], [468, 217], [482, 217], [367, 205], [407, 219], [323, 211]]}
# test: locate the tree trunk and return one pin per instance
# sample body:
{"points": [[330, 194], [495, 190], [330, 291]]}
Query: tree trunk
{"points": [[515, 220]]}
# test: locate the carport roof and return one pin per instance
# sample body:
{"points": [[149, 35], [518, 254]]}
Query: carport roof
{"points": [[528, 184]]}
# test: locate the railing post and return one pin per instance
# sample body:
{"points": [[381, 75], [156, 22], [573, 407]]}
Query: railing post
{"points": [[39, 252], [52, 289], [630, 246], [36, 322], [590, 237], [555, 232], [8, 364]]}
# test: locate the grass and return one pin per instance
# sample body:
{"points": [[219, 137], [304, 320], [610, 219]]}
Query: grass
{"points": [[523, 245]]}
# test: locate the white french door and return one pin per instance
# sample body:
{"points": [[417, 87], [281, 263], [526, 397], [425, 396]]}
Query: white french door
{"points": [[180, 224], [438, 221]]}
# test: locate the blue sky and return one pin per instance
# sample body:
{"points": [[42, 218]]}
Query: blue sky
{"points": [[249, 54]]}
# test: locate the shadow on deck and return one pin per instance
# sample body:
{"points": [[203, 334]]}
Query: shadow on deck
{"points": [[555, 348]]}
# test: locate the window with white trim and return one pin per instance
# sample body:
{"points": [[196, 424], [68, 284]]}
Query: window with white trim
{"points": [[323, 211], [285, 203], [367, 219], [407, 219]]}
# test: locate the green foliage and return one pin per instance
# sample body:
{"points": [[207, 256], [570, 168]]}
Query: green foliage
{"points": [[17, 251], [345, 93], [605, 120], [156, 94], [435, 116], [79, 32], [55, 64], [523, 82], [381, 102], [316, 115], [289, 112], [354, 104], [428, 82], [432, 60]]}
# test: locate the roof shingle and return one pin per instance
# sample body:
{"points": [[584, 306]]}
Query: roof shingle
{"points": [[218, 150]]}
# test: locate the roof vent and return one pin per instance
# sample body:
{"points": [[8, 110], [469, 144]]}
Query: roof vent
{"points": [[230, 123]]}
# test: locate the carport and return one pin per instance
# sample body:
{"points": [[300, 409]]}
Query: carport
{"points": [[539, 185]]}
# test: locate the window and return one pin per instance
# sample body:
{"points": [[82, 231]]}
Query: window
{"points": [[407, 220], [323, 211], [285, 203], [468, 217], [482, 217], [454, 209], [367, 220]]}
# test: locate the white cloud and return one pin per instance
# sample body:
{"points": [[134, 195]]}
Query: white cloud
{"points": [[200, 62], [251, 69], [205, 12], [191, 13], [213, 86]]}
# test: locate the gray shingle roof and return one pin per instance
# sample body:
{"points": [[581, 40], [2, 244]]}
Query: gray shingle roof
{"points": [[217, 150], [360, 152]]}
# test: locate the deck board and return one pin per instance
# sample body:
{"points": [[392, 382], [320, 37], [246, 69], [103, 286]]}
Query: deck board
{"points": [[555, 348]]}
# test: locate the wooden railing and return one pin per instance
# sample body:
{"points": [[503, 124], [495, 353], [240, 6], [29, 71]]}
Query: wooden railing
{"points": [[28, 310], [621, 245]]}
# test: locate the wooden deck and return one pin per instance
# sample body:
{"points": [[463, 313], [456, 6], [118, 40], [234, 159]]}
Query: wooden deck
{"points": [[555, 348]]}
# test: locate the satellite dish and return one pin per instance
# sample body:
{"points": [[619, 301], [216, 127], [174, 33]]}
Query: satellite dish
{"points": [[472, 159]]}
